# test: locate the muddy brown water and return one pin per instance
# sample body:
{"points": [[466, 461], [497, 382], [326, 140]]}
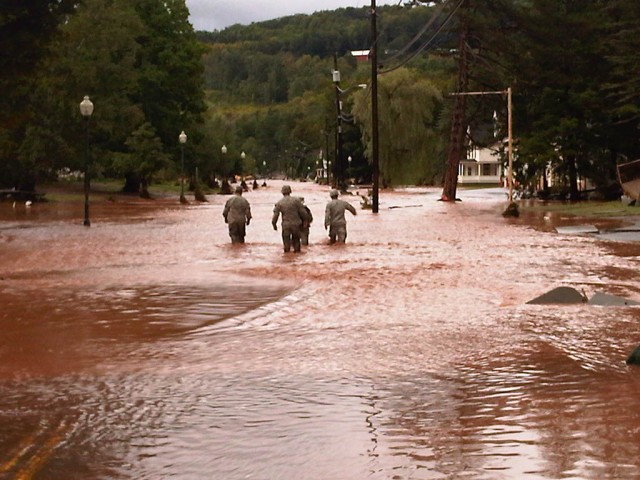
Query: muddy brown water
{"points": [[147, 346]]}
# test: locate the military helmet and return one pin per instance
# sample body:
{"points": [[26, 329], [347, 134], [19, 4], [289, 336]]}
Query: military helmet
{"points": [[333, 193], [286, 189], [238, 189]]}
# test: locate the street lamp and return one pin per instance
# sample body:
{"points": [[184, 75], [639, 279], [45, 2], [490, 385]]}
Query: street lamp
{"points": [[264, 168], [225, 188], [86, 110], [223, 150], [349, 159], [183, 139], [242, 157]]}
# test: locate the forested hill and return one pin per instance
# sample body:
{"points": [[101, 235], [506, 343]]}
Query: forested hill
{"points": [[277, 60], [323, 33]]}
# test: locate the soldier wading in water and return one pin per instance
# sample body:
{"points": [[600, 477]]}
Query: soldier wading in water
{"points": [[237, 213], [334, 218], [293, 216]]}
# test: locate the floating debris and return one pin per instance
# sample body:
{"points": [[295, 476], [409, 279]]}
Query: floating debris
{"points": [[607, 300], [577, 229], [634, 358], [561, 295], [568, 296]]}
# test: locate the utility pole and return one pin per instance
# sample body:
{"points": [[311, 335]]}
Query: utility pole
{"points": [[375, 161], [510, 133], [337, 168]]}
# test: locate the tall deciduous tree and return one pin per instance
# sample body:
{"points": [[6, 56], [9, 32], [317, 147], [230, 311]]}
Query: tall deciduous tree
{"points": [[95, 54], [26, 28], [170, 89]]}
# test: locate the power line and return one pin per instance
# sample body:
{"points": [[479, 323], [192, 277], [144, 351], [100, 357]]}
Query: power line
{"points": [[428, 42], [417, 36]]}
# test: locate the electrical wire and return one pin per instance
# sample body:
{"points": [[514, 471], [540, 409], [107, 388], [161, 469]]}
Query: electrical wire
{"points": [[417, 36], [428, 42]]}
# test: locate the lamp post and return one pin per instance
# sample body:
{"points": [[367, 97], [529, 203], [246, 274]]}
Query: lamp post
{"points": [[86, 110], [183, 139], [242, 157], [223, 150], [335, 74], [349, 159], [264, 168]]}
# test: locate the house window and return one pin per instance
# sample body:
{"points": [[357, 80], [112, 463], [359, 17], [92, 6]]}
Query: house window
{"points": [[489, 170]]}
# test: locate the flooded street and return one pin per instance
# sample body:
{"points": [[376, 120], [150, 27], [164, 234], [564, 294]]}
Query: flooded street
{"points": [[147, 346]]}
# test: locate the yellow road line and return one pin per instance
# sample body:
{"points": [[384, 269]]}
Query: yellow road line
{"points": [[19, 451], [40, 456]]}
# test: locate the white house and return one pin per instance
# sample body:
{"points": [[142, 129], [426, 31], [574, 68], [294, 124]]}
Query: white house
{"points": [[482, 165]]}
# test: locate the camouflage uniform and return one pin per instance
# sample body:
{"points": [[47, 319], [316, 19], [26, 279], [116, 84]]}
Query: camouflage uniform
{"points": [[237, 213], [334, 218], [306, 225], [293, 215]]}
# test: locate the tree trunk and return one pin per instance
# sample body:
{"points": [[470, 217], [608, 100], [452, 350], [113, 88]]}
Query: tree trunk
{"points": [[574, 194], [131, 183], [456, 137], [144, 188], [27, 183]]}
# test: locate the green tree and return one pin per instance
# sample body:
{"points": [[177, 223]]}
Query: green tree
{"points": [[26, 28], [622, 43], [170, 90], [85, 58], [559, 76], [144, 158]]}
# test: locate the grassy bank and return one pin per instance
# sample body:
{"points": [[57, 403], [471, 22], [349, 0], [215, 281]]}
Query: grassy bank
{"points": [[72, 191], [598, 209]]}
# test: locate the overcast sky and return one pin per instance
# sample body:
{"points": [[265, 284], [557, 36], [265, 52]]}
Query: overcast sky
{"points": [[212, 15]]}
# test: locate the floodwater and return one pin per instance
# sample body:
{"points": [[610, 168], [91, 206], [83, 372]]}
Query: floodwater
{"points": [[148, 347]]}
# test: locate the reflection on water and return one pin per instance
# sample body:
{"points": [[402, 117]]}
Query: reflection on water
{"points": [[147, 346]]}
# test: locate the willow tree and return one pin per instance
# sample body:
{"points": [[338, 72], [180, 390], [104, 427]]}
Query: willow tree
{"points": [[409, 105]]}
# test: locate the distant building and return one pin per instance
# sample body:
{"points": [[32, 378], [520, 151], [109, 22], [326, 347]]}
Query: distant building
{"points": [[361, 55]]}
